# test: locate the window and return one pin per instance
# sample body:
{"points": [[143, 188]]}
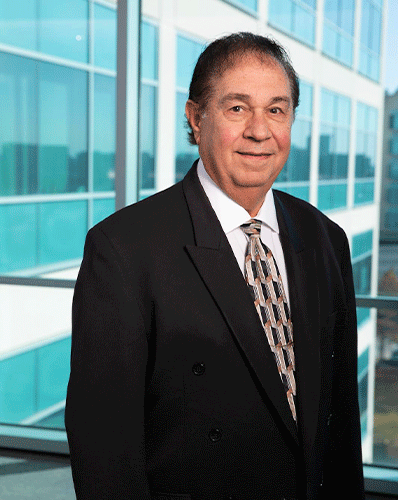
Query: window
{"points": [[394, 145], [365, 158], [371, 25], [148, 105], [338, 30], [32, 26], [363, 389], [247, 5], [294, 178], [394, 120], [188, 52], [333, 150], [362, 245], [296, 17]]}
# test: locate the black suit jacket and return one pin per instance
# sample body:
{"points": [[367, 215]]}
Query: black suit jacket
{"points": [[174, 392]]}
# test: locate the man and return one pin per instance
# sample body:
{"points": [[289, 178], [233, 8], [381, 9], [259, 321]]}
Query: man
{"points": [[214, 332]]}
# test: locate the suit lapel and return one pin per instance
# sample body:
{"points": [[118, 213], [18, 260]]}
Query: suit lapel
{"points": [[301, 267], [217, 266]]}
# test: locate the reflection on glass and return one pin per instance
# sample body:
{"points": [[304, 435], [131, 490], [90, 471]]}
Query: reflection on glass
{"points": [[104, 132], [34, 355], [295, 17], [104, 37], [63, 28], [385, 441]]}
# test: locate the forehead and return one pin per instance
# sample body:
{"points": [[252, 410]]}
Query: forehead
{"points": [[252, 73]]}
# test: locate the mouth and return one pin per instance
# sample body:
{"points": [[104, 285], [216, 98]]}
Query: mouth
{"points": [[254, 154]]}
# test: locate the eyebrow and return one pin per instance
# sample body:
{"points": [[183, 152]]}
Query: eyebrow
{"points": [[246, 97]]}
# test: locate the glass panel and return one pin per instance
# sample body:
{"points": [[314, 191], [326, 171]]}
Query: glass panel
{"points": [[385, 445], [364, 192], [102, 208], [149, 51], [62, 156], [304, 25], [188, 52], [186, 154], [18, 237], [104, 132], [148, 136], [64, 28], [104, 37], [62, 228], [281, 14], [18, 25], [332, 196], [34, 354], [18, 126]]}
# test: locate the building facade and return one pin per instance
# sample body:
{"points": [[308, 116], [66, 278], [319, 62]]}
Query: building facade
{"points": [[58, 135]]}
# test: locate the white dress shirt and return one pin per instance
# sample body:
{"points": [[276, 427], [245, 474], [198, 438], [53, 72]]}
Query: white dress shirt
{"points": [[232, 216]]}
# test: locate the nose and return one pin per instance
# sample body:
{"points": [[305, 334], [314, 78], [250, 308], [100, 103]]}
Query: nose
{"points": [[257, 127]]}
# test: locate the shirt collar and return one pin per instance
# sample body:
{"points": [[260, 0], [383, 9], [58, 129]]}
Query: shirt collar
{"points": [[230, 214]]}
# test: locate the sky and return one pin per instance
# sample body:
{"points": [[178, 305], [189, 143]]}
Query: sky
{"points": [[391, 52]]}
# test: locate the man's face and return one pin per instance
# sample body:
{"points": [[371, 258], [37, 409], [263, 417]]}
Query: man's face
{"points": [[244, 132]]}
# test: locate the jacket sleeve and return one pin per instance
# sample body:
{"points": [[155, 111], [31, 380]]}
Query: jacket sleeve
{"points": [[104, 413], [343, 468]]}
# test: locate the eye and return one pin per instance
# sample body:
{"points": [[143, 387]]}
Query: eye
{"points": [[237, 109], [276, 111]]}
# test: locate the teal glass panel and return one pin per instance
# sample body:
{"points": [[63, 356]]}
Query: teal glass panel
{"points": [[149, 51], [332, 196], [310, 3], [188, 52], [305, 106], [330, 41], [148, 136], [102, 208], [297, 167], [186, 154], [364, 192], [18, 23], [63, 28], [17, 387], [291, 16], [104, 133], [304, 25], [62, 154], [104, 37], [18, 125], [281, 14], [250, 4], [369, 60], [326, 150], [17, 237], [394, 120], [394, 169], [362, 243], [394, 145], [302, 192], [62, 230], [331, 10], [345, 51], [53, 368]]}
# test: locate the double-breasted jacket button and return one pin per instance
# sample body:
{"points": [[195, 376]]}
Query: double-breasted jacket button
{"points": [[229, 497], [215, 435], [330, 418], [198, 368]]}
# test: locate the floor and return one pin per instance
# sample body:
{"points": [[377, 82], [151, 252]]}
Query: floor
{"points": [[35, 477], [47, 477]]}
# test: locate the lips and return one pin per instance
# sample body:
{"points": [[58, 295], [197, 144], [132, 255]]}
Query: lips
{"points": [[250, 153]]}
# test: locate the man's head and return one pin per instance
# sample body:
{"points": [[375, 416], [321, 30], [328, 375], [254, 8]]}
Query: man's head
{"points": [[241, 108], [224, 53]]}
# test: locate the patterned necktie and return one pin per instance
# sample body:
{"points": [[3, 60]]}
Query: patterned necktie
{"points": [[266, 287]]}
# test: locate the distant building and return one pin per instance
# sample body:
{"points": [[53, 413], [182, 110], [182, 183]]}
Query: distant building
{"points": [[389, 188]]}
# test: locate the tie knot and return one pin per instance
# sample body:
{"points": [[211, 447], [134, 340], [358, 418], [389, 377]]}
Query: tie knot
{"points": [[252, 227]]}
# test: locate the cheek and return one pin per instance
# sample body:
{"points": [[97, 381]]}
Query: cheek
{"points": [[284, 138]]}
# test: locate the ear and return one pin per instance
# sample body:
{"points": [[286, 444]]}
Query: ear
{"points": [[194, 118]]}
